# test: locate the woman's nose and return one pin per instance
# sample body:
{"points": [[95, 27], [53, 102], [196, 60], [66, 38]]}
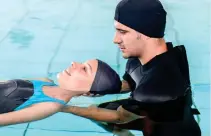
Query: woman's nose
{"points": [[75, 64], [72, 64]]}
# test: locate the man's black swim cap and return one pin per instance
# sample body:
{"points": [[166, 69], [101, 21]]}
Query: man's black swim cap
{"points": [[106, 80], [145, 16]]}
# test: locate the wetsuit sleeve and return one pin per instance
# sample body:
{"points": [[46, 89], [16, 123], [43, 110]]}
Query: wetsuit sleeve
{"points": [[126, 75], [130, 65], [158, 112]]}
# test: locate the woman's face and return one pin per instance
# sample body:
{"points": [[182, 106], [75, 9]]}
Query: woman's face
{"points": [[79, 76]]}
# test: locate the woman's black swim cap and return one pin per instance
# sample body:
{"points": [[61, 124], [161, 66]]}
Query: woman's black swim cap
{"points": [[106, 81]]}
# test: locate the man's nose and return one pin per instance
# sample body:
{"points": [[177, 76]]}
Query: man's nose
{"points": [[117, 39]]}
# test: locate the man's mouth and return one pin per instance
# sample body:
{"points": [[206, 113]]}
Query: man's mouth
{"points": [[122, 48]]}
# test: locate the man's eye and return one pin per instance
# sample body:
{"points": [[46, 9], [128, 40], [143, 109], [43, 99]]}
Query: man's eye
{"points": [[122, 32]]}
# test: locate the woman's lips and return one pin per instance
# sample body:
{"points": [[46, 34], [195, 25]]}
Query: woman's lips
{"points": [[67, 72]]}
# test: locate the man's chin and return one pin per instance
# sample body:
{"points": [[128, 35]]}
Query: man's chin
{"points": [[125, 56]]}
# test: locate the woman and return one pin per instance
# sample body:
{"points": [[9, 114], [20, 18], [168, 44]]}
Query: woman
{"points": [[24, 101]]}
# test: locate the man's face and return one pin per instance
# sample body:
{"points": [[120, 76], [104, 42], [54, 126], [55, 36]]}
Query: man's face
{"points": [[128, 41]]}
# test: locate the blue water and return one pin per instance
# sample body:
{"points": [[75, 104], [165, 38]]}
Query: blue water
{"points": [[39, 38]]}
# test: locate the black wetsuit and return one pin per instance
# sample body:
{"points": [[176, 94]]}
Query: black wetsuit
{"points": [[161, 91], [19, 94], [13, 93]]}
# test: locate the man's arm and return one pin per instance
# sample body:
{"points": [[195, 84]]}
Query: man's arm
{"points": [[125, 87], [118, 116]]}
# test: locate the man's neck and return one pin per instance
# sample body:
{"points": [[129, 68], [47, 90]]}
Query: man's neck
{"points": [[156, 48]]}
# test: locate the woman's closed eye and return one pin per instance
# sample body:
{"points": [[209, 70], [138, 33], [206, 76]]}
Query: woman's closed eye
{"points": [[85, 69]]}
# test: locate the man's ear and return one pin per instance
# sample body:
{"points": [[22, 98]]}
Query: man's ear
{"points": [[143, 37], [138, 36]]}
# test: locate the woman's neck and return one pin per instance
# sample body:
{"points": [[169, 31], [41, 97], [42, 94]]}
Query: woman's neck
{"points": [[58, 93]]}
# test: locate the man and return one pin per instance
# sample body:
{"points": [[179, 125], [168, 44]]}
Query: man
{"points": [[156, 73]]}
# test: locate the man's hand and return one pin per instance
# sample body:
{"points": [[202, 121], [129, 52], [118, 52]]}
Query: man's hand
{"points": [[126, 116], [92, 95]]}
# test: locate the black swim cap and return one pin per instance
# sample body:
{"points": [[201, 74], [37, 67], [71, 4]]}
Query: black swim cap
{"points": [[106, 80], [145, 16]]}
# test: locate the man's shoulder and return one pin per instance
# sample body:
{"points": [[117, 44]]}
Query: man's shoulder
{"points": [[133, 60], [132, 63]]}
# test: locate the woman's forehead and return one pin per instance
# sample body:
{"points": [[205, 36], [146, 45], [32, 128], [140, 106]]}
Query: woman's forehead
{"points": [[93, 63]]}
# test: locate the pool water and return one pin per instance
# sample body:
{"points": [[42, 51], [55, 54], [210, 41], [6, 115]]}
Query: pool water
{"points": [[39, 38]]}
